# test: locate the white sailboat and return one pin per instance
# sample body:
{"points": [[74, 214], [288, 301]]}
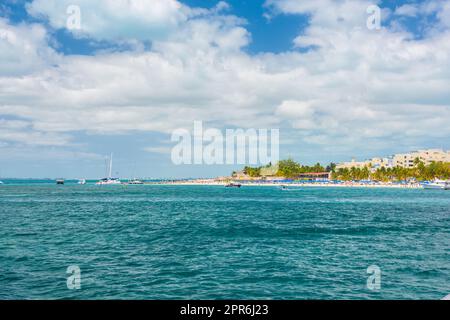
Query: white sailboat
{"points": [[82, 181], [109, 180]]}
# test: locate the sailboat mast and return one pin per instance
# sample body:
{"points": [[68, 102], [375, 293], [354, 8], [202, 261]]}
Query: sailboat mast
{"points": [[110, 166]]}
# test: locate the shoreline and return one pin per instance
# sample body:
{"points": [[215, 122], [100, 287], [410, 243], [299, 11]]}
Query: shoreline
{"points": [[220, 183], [308, 185]]}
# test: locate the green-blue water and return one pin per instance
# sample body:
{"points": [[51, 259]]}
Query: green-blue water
{"points": [[206, 242]]}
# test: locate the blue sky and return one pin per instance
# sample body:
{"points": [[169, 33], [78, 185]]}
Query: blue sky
{"points": [[137, 70], [275, 35], [268, 35]]}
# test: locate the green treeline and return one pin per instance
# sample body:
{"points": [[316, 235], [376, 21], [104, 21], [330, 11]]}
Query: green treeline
{"points": [[420, 172], [291, 169]]}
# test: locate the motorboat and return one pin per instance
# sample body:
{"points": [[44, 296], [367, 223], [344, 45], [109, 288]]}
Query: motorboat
{"points": [[233, 185], [135, 181], [436, 184]]}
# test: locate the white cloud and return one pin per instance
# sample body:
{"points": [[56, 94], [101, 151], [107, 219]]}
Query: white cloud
{"points": [[44, 153], [34, 138], [327, 13], [159, 150], [295, 109], [444, 14], [440, 8], [23, 49], [115, 20], [356, 85], [409, 10]]}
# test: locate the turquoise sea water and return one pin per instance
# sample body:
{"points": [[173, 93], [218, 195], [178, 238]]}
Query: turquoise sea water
{"points": [[209, 242]]}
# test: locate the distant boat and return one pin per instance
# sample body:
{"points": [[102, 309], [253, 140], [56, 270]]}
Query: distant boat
{"points": [[233, 185], [60, 181], [135, 181], [82, 181], [288, 188], [109, 180], [437, 184]]}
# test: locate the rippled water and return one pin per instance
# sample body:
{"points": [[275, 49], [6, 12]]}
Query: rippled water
{"points": [[208, 242]]}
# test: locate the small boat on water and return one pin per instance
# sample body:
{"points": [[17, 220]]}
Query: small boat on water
{"points": [[135, 181], [109, 180], [82, 181], [437, 185], [60, 181], [233, 185], [289, 188]]}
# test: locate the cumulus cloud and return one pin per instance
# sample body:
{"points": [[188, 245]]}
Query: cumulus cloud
{"points": [[114, 20], [354, 85], [367, 84], [440, 9], [23, 49]]}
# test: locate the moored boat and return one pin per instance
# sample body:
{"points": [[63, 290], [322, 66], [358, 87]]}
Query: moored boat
{"points": [[233, 185], [436, 184], [135, 181], [109, 180]]}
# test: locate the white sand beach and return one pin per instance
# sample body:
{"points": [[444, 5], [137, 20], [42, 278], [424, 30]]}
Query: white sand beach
{"points": [[306, 184]]}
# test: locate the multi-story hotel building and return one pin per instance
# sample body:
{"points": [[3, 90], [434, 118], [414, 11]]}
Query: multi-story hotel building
{"points": [[352, 164], [405, 160]]}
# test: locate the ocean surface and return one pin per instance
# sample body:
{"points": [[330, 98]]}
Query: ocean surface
{"points": [[211, 242]]}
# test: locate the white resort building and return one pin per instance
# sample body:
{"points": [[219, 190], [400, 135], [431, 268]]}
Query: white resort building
{"points": [[352, 164], [405, 160]]}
